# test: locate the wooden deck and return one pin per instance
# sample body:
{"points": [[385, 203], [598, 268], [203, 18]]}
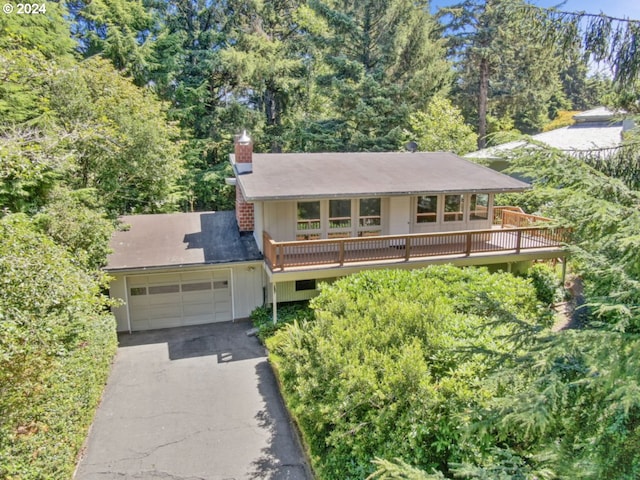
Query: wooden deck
{"points": [[339, 252]]}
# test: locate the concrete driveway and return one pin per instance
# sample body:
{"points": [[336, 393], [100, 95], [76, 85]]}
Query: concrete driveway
{"points": [[192, 403]]}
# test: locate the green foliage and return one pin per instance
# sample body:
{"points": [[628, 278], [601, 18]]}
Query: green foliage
{"points": [[394, 359], [604, 214], [73, 220], [124, 147], [56, 344], [546, 282], [441, 128], [288, 313]]}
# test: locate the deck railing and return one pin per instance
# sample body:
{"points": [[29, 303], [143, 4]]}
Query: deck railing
{"points": [[510, 217], [341, 251]]}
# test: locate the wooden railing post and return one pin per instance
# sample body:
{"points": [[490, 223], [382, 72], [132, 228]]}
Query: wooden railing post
{"points": [[341, 254], [407, 248], [518, 241], [468, 247]]}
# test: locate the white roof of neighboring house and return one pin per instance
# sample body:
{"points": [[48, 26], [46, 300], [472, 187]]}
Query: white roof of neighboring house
{"points": [[594, 130]]}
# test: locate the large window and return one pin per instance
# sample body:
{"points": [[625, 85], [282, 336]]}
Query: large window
{"points": [[308, 224], [369, 217], [339, 219], [479, 206], [427, 209], [453, 208]]}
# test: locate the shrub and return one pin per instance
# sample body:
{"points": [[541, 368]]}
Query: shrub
{"points": [[288, 313], [394, 361], [56, 345], [546, 282]]}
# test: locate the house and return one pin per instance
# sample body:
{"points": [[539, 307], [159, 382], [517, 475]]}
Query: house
{"points": [[304, 218], [598, 130]]}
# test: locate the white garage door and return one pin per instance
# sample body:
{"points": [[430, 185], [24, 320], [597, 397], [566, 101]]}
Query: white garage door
{"points": [[173, 300]]}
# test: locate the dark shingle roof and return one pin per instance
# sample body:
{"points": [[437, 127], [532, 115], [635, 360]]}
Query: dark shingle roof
{"points": [[180, 239], [317, 175]]}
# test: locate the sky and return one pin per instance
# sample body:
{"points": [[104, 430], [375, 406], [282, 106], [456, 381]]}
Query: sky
{"points": [[614, 8]]}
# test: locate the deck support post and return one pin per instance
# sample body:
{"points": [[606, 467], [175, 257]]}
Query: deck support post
{"points": [[274, 302], [564, 270]]}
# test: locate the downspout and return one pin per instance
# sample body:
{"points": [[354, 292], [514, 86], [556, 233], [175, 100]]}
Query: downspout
{"points": [[126, 296], [274, 303]]}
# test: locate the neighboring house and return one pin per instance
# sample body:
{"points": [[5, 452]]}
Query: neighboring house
{"points": [[304, 218], [598, 130]]}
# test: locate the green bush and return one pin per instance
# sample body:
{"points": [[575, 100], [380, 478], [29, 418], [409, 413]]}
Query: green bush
{"points": [[288, 313], [394, 362], [546, 282], [56, 344]]}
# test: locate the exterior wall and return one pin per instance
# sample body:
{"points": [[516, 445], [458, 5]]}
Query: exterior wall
{"points": [[398, 218], [286, 291], [280, 220], [258, 223], [247, 289], [117, 289], [244, 212]]}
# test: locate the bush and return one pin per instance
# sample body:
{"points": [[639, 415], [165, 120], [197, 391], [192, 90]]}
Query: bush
{"points": [[56, 345], [288, 313], [546, 282], [395, 360]]}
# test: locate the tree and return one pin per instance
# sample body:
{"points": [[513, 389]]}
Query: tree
{"points": [[384, 60], [504, 63], [124, 147], [441, 128], [120, 30]]}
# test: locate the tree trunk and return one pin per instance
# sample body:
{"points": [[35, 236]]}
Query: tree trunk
{"points": [[482, 103]]}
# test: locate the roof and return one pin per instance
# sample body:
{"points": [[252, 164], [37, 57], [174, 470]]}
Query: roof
{"points": [[277, 176], [594, 130], [180, 239]]}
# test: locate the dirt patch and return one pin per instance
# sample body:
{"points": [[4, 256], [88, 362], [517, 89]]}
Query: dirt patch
{"points": [[570, 315]]}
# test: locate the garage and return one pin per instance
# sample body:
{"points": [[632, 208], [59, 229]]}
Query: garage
{"points": [[174, 300]]}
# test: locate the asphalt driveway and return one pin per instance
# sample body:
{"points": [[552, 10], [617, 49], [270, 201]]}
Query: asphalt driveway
{"points": [[192, 403]]}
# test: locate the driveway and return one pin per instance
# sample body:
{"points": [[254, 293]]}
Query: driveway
{"points": [[192, 403]]}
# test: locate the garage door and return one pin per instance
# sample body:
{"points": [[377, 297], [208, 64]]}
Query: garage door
{"points": [[173, 300]]}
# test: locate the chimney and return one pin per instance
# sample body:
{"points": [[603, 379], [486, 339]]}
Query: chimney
{"points": [[243, 164], [243, 150]]}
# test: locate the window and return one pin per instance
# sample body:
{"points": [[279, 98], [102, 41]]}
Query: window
{"points": [[220, 284], [479, 206], [308, 224], [427, 209], [195, 287], [138, 291], [162, 289], [453, 208], [369, 217], [339, 214], [302, 285], [339, 219]]}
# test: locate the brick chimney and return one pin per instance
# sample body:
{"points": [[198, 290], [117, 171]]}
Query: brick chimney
{"points": [[243, 150]]}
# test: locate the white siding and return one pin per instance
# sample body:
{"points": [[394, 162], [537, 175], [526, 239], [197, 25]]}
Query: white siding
{"points": [[280, 220], [258, 223], [118, 290], [247, 289]]}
